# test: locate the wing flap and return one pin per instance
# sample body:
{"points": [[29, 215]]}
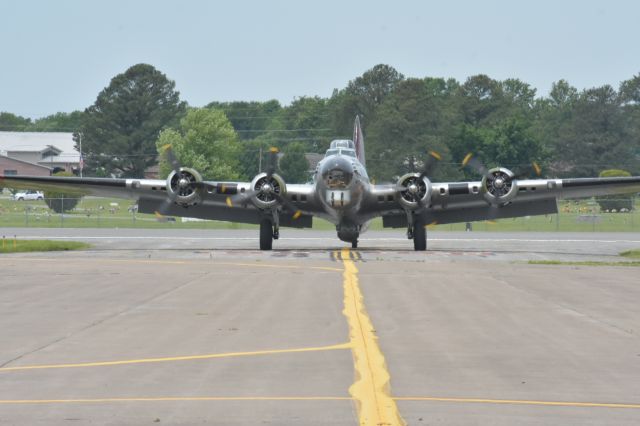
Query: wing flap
{"points": [[216, 211]]}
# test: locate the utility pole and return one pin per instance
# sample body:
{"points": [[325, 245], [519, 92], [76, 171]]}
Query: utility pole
{"points": [[81, 164]]}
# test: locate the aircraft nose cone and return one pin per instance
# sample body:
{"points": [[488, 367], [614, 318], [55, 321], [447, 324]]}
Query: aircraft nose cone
{"points": [[498, 183]]}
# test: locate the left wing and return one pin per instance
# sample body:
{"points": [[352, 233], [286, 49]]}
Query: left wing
{"points": [[211, 199], [451, 202]]}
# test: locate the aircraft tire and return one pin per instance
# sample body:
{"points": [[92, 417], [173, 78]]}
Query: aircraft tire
{"points": [[419, 235], [266, 234], [354, 244]]}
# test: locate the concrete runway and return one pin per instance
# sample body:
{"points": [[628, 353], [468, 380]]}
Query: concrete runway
{"points": [[198, 327]]}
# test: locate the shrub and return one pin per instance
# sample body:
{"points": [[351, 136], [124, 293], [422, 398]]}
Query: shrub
{"points": [[59, 201], [615, 202]]}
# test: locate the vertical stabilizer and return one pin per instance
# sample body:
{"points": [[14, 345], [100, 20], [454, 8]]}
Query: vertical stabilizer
{"points": [[358, 140]]}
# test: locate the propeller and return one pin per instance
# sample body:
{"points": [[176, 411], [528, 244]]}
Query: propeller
{"points": [[414, 188], [185, 182], [498, 182], [266, 190]]}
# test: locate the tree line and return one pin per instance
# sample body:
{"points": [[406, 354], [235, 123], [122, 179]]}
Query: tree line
{"points": [[503, 122]]}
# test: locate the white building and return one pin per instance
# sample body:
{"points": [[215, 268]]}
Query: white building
{"points": [[55, 150]]}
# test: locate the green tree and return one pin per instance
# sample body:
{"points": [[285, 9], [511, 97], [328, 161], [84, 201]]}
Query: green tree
{"points": [[249, 119], [121, 127], [362, 96], [294, 165], [206, 141], [62, 201], [414, 119], [13, 123], [58, 122]]}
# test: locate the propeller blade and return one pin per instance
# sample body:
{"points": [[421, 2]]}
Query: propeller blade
{"points": [[474, 163], [273, 161], [533, 169], [241, 198], [430, 164], [284, 202], [167, 150]]}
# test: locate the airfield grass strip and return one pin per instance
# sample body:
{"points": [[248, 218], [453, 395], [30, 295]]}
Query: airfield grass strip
{"points": [[584, 263], [9, 245], [632, 254]]}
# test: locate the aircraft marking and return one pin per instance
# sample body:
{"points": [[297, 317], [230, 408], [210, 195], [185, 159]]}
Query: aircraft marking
{"points": [[371, 388]]}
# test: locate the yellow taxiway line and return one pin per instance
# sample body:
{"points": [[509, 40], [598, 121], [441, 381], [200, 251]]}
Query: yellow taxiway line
{"points": [[174, 262], [315, 398], [174, 398], [517, 402], [371, 388], [177, 358]]}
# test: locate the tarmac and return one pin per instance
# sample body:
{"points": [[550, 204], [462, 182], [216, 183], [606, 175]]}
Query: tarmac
{"points": [[199, 327]]}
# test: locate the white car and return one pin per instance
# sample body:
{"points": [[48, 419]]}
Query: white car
{"points": [[28, 195]]}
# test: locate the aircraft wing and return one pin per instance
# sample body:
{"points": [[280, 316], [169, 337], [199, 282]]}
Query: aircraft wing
{"points": [[152, 196], [452, 202]]}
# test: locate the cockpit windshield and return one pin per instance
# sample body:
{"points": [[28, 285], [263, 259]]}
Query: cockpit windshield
{"points": [[348, 152]]}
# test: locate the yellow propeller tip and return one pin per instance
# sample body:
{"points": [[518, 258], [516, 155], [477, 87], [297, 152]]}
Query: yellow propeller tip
{"points": [[537, 168], [491, 222], [435, 155], [434, 223], [274, 149], [166, 147], [228, 201], [467, 158], [297, 214]]}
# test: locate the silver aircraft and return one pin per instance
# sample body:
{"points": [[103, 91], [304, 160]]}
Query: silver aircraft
{"points": [[341, 193]]}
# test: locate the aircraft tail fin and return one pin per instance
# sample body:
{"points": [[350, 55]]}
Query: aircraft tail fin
{"points": [[358, 140]]}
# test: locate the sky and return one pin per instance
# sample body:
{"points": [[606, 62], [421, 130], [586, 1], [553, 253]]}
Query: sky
{"points": [[58, 55]]}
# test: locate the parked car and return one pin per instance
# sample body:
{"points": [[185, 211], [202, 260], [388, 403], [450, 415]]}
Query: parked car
{"points": [[28, 195]]}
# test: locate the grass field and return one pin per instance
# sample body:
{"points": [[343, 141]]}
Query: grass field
{"points": [[9, 245], [92, 212]]}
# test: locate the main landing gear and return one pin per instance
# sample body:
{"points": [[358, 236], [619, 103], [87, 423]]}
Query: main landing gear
{"points": [[268, 233], [418, 232]]}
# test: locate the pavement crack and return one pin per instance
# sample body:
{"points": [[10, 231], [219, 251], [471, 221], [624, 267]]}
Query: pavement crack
{"points": [[103, 320]]}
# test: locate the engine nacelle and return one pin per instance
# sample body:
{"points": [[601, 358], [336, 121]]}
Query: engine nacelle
{"points": [[416, 192], [183, 186], [499, 186], [267, 189]]}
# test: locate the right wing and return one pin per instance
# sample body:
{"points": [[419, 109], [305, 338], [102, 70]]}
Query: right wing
{"points": [[454, 202]]}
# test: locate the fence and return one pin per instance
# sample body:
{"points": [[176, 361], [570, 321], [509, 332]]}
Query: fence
{"points": [[93, 212]]}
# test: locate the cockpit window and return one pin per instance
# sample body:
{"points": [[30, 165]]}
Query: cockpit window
{"points": [[331, 152], [337, 178], [349, 152]]}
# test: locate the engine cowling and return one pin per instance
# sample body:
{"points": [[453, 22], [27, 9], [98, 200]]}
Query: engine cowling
{"points": [[499, 186], [267, 189], [414, 191], [183, 186]]}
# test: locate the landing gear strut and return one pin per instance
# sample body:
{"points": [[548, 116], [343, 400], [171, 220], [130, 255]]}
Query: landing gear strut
{"points": [[354, 244]]}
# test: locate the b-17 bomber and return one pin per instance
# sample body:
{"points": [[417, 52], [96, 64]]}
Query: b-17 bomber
{"points": [[342, 193]]}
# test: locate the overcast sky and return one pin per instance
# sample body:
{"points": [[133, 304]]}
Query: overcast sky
{"points": [[57, 55]]}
